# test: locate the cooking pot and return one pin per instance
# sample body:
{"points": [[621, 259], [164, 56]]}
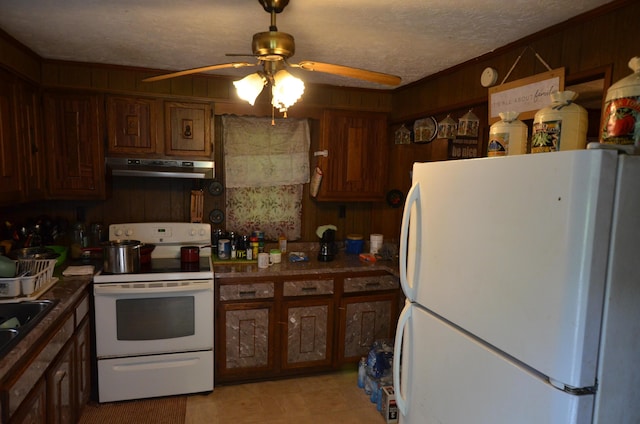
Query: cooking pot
{"points": [[145, 253], [121, 256], [189, 254]]}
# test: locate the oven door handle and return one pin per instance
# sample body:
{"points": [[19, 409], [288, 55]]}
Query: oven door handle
{"points": [[117, 289]]}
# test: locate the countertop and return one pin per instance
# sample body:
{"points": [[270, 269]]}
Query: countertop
{"points": [[67, 291], [342, 262]]}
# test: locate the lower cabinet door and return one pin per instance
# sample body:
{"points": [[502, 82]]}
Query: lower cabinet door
{"points": [[363, 320], [308, 335], [60, 386], [247, 333], [33, 409]]}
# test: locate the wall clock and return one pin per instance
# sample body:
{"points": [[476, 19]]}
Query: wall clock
{"points": [[489, 77]]}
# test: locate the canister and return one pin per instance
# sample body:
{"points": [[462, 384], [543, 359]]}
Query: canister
{"points": [[560, 126], [622, 109], [507, 136], [354, 243], [375, 243]]}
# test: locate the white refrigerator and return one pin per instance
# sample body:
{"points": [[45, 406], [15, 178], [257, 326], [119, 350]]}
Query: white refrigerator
{"points": [[522, 278]]}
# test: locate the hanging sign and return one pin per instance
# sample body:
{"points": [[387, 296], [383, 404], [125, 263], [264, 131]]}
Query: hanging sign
{"points": [[525, 96]]}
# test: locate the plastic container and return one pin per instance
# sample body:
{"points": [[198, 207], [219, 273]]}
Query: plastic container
{"points": [[375, 243], [508, 136], [560, 126], [354, 244], [622, 109]]}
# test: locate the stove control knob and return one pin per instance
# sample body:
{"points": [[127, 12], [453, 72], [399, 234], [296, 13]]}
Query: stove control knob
{"points": [[128, 232], [192, 232], [118, 232], [202, 232]]}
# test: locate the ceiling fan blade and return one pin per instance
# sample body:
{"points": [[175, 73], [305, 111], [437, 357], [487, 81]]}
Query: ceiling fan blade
{"points": [[350, 72], [198, 70]]}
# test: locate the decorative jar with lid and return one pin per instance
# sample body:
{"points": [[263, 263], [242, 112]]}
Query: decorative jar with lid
{"points": [[621, 113], [560, 126], [507, 136]]}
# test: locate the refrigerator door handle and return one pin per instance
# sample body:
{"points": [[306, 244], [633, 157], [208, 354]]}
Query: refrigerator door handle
{"points": [[415, 216], [405, 315]]}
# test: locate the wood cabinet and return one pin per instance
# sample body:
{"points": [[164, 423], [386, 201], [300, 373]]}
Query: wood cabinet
{"points": [[294, 325], [368, 312], [245, 330], [34, 408], [188, 129], [307, 320], [61, 372], [356, 166], [31, 144], [154, 127], [60, 392], [74, 128], [132, 125], [11, 188]]}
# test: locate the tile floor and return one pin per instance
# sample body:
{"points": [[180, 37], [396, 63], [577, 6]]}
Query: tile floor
{"points": [[328, 398]]}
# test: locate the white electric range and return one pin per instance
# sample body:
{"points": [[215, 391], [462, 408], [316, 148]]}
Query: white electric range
{"points": [[154, 328]]}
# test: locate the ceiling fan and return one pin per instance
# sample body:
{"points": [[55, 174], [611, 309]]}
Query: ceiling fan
{"points": [[274, 48]]}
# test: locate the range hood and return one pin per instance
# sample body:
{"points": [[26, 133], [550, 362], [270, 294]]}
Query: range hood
{"points": [[166, 168]]}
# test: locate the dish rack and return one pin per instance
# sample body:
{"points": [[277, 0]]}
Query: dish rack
{"points": [[38, 279], [41, 269]]}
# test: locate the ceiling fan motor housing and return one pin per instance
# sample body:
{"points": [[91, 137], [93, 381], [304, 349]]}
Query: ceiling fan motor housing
{"points": [[273, 43]]}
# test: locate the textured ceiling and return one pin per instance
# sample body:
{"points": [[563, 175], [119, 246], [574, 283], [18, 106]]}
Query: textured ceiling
{"points": [[408, 38]]}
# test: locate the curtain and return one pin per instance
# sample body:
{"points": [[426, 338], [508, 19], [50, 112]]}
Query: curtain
{"points": [[265, 168]]}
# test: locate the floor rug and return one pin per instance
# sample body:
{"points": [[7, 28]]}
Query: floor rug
{"points": [[168, 410]]}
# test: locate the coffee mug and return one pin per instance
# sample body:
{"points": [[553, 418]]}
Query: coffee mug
{"points": [[263, 260], [275, 256]]}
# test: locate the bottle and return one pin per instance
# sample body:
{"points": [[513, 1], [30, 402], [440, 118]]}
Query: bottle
{"points": [[248, 248], [362, 371], [282, 243], [255, 246]]}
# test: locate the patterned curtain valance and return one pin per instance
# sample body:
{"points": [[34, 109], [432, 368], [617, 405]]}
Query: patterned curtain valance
{"points": [[258, 154]]}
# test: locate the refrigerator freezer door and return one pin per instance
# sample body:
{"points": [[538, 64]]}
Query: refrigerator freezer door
{"points": [[514, 250], [448, 377]]}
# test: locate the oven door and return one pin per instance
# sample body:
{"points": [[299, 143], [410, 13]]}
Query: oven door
{"points": [[140, 318]]}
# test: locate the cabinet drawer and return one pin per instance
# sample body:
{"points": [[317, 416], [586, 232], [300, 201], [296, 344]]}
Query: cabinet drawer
{"points": [[372, 283], [307, 287], [246, 291]]}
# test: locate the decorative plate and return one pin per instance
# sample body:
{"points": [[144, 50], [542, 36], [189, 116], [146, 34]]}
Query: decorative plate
{"points": [[395, 198], [216, 188], [216, 216]]}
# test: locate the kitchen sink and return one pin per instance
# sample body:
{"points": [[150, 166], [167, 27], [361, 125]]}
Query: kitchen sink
{"points": [[17, 319]]}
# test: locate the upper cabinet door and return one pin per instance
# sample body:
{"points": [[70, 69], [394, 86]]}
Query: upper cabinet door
{"points": [[132, 125], [11, 189], [188, 129], [29, 137], [73, 124], [356, 166]]}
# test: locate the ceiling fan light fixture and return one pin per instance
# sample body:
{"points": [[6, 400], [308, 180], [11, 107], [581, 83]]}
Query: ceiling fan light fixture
{"points": [[286, 90], [250, 87]]}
